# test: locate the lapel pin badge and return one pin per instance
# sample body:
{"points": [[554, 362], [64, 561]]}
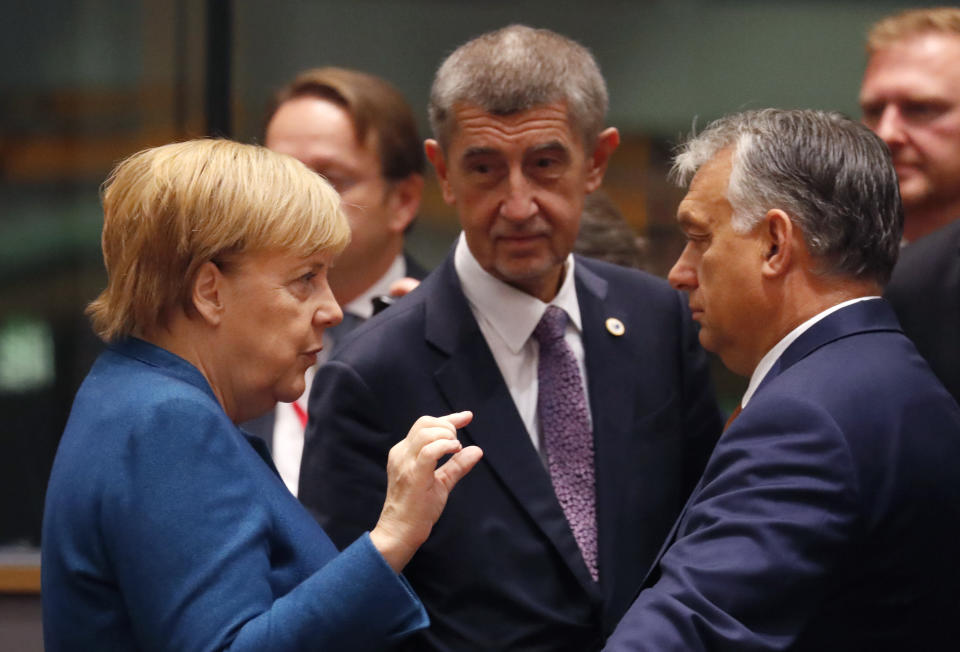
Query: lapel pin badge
{"points": [[615, 327]]}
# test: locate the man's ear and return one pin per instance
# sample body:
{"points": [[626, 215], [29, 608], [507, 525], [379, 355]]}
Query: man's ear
{"points": [[607, 142], [778, 237], [208, 293], [435, 155], [404, 201]]}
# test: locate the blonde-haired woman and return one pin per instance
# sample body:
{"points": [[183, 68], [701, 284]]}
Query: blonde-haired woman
{"points": [[166, 527]]}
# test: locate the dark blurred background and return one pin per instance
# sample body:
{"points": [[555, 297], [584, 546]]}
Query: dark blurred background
{"points": [[85, 82]]}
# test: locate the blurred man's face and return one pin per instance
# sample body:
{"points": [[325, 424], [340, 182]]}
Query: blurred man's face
{"points": [[720, 270], [321, 135], [518, 183], [911, 98]]}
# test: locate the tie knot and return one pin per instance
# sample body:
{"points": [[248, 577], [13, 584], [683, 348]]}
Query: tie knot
{"points": [[552, 325]]}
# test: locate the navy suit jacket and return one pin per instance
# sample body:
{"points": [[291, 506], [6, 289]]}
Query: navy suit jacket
{"points": [[165, 530], [829, 514], [501, 569], [925, 293]]}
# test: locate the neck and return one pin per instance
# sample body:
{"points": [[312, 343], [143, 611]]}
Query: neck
{"points": [[184, 337], [544, 288], [824, 292], [350, 278], [804, 300]]}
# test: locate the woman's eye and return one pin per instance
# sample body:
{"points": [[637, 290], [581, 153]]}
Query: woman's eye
{"points": [[302, 286]]}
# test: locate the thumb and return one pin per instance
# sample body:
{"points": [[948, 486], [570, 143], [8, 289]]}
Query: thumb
{"points": [[458, 466]]}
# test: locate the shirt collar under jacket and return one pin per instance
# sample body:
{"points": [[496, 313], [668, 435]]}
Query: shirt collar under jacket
{"points": [[362, 306], [768, 360], [512, 313]]}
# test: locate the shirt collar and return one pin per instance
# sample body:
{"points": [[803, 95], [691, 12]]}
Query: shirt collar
{"points": [[512, 313], [768, 360], [362, 306]]}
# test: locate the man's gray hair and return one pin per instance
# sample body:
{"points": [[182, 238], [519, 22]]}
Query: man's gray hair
{"points": [[831, 175], [515, 69]]}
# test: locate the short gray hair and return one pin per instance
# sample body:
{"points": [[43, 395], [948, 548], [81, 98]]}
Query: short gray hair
{"points": [[831, 175], [515, 69]]}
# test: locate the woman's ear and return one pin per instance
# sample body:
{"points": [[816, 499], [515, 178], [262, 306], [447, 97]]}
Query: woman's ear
{"points": [[208, 293]]}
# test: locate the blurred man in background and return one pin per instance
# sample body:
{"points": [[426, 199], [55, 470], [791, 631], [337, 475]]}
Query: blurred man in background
{"points": [[911, 99]]}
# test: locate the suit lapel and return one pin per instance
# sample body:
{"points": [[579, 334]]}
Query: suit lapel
{"points": [[469, 379], [612, 376], [861, 317]]}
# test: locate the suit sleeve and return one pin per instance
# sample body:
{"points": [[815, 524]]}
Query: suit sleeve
{"points": [[191, 543], [343, 479], [758, 541]]}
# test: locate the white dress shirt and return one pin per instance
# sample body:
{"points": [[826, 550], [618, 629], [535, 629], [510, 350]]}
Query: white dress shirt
{"points": [[287, 427], [507, 317], [767, 361]]}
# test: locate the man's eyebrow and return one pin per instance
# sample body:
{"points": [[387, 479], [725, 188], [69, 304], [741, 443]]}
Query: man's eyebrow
{"points": [[478, 151], [686, 220], [552, 146]]}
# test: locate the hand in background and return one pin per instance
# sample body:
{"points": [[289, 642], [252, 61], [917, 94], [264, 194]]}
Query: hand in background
{"points": [[402, 286], [417, 489]]}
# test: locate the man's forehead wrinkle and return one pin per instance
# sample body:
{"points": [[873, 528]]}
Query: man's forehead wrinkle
{"points": [[541, 117], [556, 147], [500, 128]]}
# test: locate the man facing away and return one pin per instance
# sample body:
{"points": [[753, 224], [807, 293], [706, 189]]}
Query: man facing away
{"points": [[911, 98], [357, 131], [828, 515], [591, 396]]}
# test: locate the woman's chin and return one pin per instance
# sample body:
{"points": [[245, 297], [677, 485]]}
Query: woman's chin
{"points": [[290, 393]]}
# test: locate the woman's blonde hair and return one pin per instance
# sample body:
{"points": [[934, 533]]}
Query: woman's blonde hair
{"points": [[167, 210]]}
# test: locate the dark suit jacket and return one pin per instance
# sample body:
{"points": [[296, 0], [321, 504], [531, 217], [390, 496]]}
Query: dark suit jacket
{"points": [[925, 293], [262, 427], [165, 530], [829, 514], [501, 570]]}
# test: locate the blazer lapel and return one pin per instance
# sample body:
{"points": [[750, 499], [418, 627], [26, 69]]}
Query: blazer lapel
{"points": [[860, 317], [612, 376], [865, 316], [470, 379]]}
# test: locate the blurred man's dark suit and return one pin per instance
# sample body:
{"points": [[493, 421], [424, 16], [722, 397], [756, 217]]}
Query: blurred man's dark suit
{"points": [[925, 293]]}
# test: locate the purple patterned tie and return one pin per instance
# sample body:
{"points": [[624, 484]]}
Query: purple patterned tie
{"points": [[567, 436]]}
